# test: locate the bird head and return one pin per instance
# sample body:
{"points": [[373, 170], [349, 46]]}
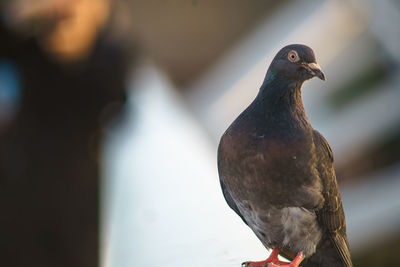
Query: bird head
{"points": [[296, 62]]}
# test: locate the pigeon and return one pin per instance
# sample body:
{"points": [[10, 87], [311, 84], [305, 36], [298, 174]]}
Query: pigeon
{"points": [[276, 171]]}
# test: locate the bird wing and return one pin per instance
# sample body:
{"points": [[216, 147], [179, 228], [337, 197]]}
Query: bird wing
{"points": [[225, 191], [230, 200], [331, 216]]}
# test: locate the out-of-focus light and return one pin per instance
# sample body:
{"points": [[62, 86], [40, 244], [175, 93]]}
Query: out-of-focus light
{"points": [[74, 36], [9, 91], [67, 29]]}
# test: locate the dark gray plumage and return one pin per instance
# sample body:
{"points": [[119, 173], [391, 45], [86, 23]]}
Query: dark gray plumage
{"points": [[276, 171]]}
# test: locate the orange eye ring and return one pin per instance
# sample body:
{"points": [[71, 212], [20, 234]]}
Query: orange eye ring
{"points": [[293, 56]]}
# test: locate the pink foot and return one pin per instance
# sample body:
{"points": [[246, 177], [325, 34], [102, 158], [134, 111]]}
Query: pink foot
{"points": [[272, 259], [295, 263]]}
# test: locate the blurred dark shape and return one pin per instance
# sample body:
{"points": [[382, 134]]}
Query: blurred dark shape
{"points": [[9, 92], [381, 254], [384, 153], [49, 156]]}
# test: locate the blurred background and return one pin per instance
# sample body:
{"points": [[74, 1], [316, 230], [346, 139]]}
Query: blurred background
{"points": [[111, 112]]}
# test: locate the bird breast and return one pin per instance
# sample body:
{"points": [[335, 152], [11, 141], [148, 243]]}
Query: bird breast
{"points": [[294, 228], [271, 171]]}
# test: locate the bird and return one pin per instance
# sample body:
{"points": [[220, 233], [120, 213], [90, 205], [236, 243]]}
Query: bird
{"points": [[276, 171]]}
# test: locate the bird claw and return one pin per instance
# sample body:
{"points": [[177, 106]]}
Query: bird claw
{"points": [[268, 264], [295, 263], [247, 264], [287, 264], [252, 264], [273, 261], [272, 258]]}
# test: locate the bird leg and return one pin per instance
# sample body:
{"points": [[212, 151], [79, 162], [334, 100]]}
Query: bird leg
{"points": [[273, 258], [295, 262]]}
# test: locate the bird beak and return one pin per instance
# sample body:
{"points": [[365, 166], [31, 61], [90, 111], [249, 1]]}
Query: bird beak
{"points": [[315, 70]]}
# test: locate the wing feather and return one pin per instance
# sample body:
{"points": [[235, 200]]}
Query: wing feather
{"points": [[331, 215], [230, 200]]}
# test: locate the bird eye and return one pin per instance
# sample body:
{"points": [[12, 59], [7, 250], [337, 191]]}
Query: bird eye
{"points": [[293, 56]]}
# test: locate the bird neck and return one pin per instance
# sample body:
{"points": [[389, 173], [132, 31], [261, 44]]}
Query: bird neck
{"points": [[279, 95]]}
